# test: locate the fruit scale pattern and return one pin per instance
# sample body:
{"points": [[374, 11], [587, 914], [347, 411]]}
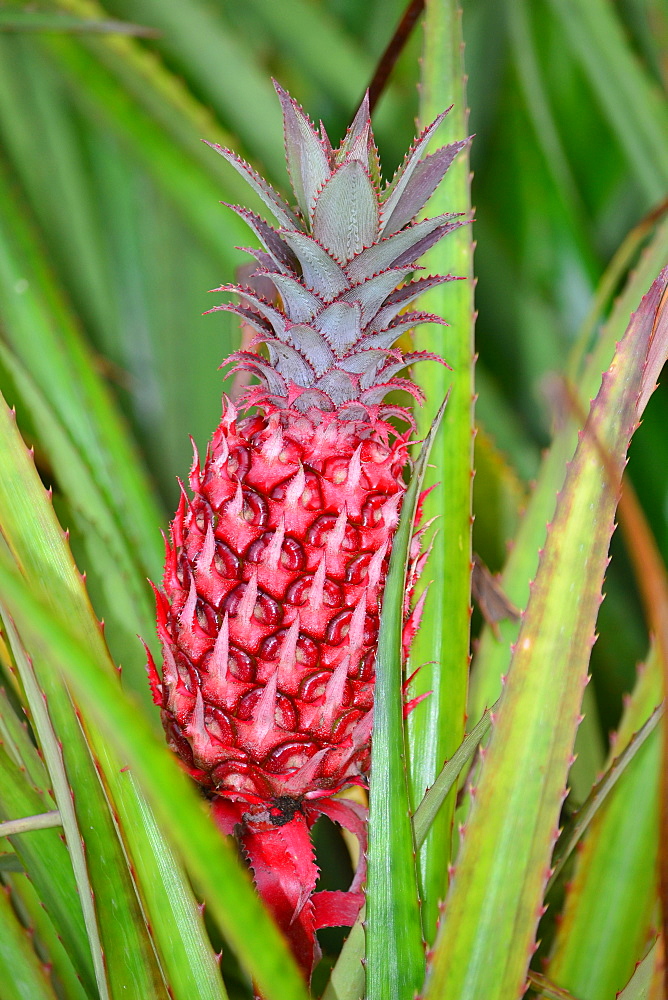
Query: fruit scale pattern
{"points": [[268, 615]]}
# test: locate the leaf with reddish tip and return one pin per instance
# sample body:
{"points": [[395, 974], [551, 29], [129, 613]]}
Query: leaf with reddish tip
{"points": [[401, 249], [647, 974], [308, 165], [281, 212], [496, 894], [268, 237], [358, 129], [397, 185], [414, 195]]}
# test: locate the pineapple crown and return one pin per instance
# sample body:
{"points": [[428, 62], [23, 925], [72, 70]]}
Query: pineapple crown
{"points": [[340, 263]]}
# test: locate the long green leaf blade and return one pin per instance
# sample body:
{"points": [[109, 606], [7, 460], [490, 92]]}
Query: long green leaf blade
{"points": [[21, 972], [611, 895], [493, 656], [632, 102], [441, 647], [32, 911], [495, 898], [44, 857], [643, 984], [394, 945]]}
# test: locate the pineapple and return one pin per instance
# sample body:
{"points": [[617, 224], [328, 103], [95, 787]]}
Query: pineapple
{"points": [[269, 612]]}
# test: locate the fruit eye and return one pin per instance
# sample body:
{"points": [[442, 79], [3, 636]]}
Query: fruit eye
{"points": [[321, 528], [238, 463], [255, 509], [292, 554], [356, 569], [298, 593], [372, 510], [225, 561]]}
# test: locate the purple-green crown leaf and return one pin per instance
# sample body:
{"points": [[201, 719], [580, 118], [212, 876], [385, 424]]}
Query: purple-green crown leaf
{"points": [[348, 194], [372, 293], [308, 164], [321, 273], [410, 198], [338, 386], [313, 345], [266, 309], [387, 336], [278, 208], [300, 304], [359, 127], [341, 324], [395, 251], [402, 297], [337, 264], [284, 259], [289, 363], [395, 187]]}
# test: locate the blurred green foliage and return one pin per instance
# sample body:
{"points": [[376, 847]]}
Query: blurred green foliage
{"points": [[111, 232]]}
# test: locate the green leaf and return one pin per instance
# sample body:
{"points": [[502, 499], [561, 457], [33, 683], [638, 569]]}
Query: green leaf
{"points": [[29, 905], [577, 825], [110, 562], [18, 746], [96, 465], [427, 811], [28, 20], [496, 894], [221, 66], [347, 979], [441, 647], [394, 944], [635, 108], [645, 976], [103, 879], [493, 656], [186, 956], [22, 974], [43, 855], [611, 894]]}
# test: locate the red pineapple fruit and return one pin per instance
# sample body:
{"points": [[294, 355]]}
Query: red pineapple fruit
{"points": [[269, 612]]}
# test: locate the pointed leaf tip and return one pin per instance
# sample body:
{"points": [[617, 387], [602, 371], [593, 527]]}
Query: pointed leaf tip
{"points": [[305, 152]]}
